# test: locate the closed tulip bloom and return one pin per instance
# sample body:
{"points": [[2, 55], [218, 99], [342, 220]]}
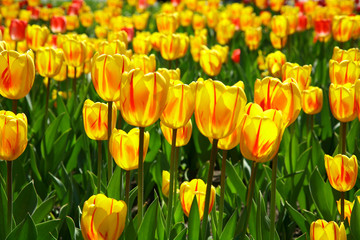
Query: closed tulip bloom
{"points": [[124, 147], [184, 44], [218, 108], [17, 30], [260, 133], [71, 72], [140, 20], [146, 63], [357, 97], [170, 46], [96, 121], [143, 97], [167, 23], [17, 73], [225, 30], [101, 32], [342, 28], [174, 74], [303, 23], [320, 229], [74, 52], [343, 72], [276, 5], [165, 183], [36, 36], [103, 218], [312, 100], [179, 105], [72, 22], [292, 20], [353, 54], [277, 42], [342, 102], [13, 140], [253, 37], [223, 51], [195, 188], [58, 24], [301, 74], [236, 55], [246, 20], [271, 93], [49, 61], [322, 29], [183, 134], [274, 62], [121, 35], [111, 48], [156, 40], [199, 21], [261, 4], [280, 26], [142, 43], [348, 206], [107, 73], [61, 75], [265, 17], [186, 17], [210, 61], [341, 171], [86, 19], [196, 43], [212, 18]]}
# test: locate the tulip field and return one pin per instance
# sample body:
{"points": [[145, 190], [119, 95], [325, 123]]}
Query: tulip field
{"points": [[186, 119]]}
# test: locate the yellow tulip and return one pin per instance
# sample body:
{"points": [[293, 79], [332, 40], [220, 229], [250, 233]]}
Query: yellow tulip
{"points": [[342, 28], [103, 218], [320, 229], [218, 108], [49, 61], [342, 102], [156, 40], [100, 31], [173, 74], [230, 141], [107, 73], [86, 19], [276, 41], [146, 63], [280, 26], [196, 43], [36, 36], [265, 17], [195, 188], [198, 21], [61, 75], [343, 72], [143, 97], [186, 17], [17, 73], [121, 36], [357, 97], [312, 100], [292, 22], [210, 61], [348, 206], [170, 46], [111, 48], [165, 183], [183, 134], [13, 140], [140, 20], [124, 147], [225, 30], [276, 5], [353, 54], [74, 52], [246, 20], [212, 18], [72, 22], [301, 74], [253, 37], [71, 72], [274, 62], [142, 43], [167, 23], [223, 51], [271, 93]]}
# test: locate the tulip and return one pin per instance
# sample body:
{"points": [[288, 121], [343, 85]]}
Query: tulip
{"points": [[71, 71], [74, 52], [343, 72], [146, 63], [198, 22], [301, 74], [210, 61], [253, 37], [292, 20], [276, 5], [106, 76], [183, 134], [223, 51], [357, 97], [121, 35], [261, 4], [165, 183], [167, 23], [225, 30], [261, 62], [173, 74], [170, 46], [347, 208], [156, 40], [111, 48], [342, 102], [4, 46], [103, 218], [353, 54], [17, 73], [143, 97], [302, 23], [140, 20], [322, 29], [246, 20], [277, 42], [61, 76], [49, 61], [342, 28], [72, 22], [280, 26], [312, 100], [274, 62], [196, 43], [230, 141], [271, 93], [124, 147], [265, 17], [95, 119], [341, 171], [86, 19], [58, 24], [36, 36], [142, 43], [196, 187], [186, 17], [14, 135], [17, 30], [101, 32], [320, 229], [236, 55]]}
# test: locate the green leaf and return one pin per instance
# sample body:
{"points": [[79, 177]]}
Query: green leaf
{"points": [[50, 136], [71, 227], [25, 203], [25, 230], [113, 188], [43, 210], [3, 209], [46, 229], [234, 182], [229, 229], [355, 220], [147, 227], [181, 235], [160, 227], [298, 218], [194, 221], [33, 162]]}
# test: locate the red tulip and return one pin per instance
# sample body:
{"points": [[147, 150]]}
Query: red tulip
{"points": [[35, 12], [130, 33], [322, 28], [302, 23], [58, 24], [236, 55], [17, 29], [73, 9]]}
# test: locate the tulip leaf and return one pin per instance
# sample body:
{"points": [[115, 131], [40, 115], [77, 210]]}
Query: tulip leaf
{"points": [[33, 162], [355, 220], [323, 196], [147, 228], [25, 203], [43, 210], [234, 182], [229, 230], [181, 235], [298, 217], [160, 227], [3, 209], [46, 229], [262, 222], [71, 227], [351, 140], [50, 135], [194, 221], [113, 189], [25, 230]]}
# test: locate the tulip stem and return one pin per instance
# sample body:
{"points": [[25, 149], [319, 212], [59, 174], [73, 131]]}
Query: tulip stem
{"points": [[250, 193], [208, 187], [222, 193], [176, 169], [9, 195], [343, 137], [342, 215], [99, 167], [127, 190], [109, 135], [74, 83], [47, 99], [172, 173], [141, 176], [273, 197]]}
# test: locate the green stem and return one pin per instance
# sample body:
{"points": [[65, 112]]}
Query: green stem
{"points": [[172, 176], [249, 196], [273, 197], [99, 166], [222, 193], [109, 135], [140, 176], [342, 215], [343, 137], [208, 187], [127, 190], [176, 168], [74, 83], [47, 99]]}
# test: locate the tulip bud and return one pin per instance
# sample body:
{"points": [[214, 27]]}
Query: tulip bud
{"points": [[274, 62], [253, 37], [301, 74], [342, 102], [225, 30], [342, 28], [276, 41], [74, 52], [58, 24], [280, 26], [49, 61], [210, 61], [196, 43], [236, 55], [102, 216], [165, 183], [142, 43], [36, 36], [312, 100], [322, 29], [167, 23], [320, 229], [276, 5], [183, 134], [17, 30], [86, 19]]}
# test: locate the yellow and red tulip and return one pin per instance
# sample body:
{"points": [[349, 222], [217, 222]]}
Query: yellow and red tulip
{"points": [[198, 21], [86, 19], [101, 31], [312, 100], [342, 102], [58, 24], [72, 22], [276, 5], [17, 29], [183, 134], [342, 28], [352, 54], [165, 183], [74, 52], [167, 23], [186, 17], [36, 36], [343, 72], [110, 48], [280, 26], [321, 229], [348, 206], [225, 30], [301, 74], [140, 20], [253, 37], [146, 63], [274, 63], [210, 61], [49, 61], [142, 43], [277, 42], [196, 43]]}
